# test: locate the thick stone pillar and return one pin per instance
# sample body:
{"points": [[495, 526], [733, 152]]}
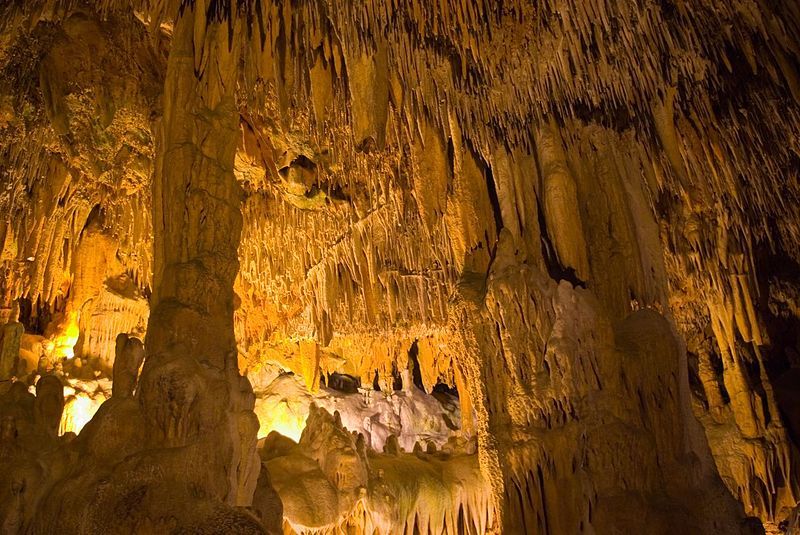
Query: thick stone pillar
{"points": [[191, 392], [196, 200]]}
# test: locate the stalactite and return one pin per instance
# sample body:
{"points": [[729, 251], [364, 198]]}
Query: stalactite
{"points": [[510, 186]]}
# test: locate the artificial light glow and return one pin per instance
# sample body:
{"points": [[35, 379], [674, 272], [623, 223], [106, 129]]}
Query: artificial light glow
{"points": [[284, 420], [78, 410], [64, 343]]}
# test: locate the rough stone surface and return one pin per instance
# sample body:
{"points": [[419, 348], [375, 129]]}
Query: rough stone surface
{"points": [[580, 217]]}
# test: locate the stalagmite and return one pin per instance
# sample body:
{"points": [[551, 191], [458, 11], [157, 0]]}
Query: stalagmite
{"points": [[9, 349], [128, 359], [49, 403]]}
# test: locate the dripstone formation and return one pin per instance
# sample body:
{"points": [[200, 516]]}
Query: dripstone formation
{"points": [[398, 267]]}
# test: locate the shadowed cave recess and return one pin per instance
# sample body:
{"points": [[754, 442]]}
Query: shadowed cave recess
{"points": [[322, 267]]}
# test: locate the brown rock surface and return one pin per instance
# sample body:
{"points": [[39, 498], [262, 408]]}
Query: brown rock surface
{"points": [[554, 244]]}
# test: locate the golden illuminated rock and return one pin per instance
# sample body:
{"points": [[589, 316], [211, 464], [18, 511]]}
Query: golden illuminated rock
{"points": [[396, 267]]}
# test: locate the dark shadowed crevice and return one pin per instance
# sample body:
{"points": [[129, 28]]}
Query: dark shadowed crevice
{"points": [[554, 267]]}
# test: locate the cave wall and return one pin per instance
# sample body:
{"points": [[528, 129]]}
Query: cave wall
{"points": [[577, 205]]}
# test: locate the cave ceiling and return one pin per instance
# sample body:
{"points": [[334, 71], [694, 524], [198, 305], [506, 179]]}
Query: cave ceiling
{"points": [[554, 246]]}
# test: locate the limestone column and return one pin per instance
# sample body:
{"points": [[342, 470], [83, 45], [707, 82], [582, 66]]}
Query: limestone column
{"points": [[196, 200], [464, 321], [191, 392]]}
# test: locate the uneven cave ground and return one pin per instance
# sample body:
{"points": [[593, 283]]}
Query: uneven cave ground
{"points": [[459, 267]]}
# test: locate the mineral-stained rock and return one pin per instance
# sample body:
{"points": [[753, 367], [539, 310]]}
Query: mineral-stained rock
{"points": [[49, 403], [10, 337], [553, 246], [129, 357]]}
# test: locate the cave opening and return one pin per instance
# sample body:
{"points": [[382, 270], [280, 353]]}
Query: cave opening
{"points": [[413, 365], [778, 284], [36, 316]]}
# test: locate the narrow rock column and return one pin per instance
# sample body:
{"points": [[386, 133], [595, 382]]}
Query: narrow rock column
{"points": [[196, 203], [561, 207], [463, 321], [191, 392], [10, 336]]}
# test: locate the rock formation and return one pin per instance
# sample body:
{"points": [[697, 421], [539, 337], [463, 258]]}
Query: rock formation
{"points": [[394, 267]]}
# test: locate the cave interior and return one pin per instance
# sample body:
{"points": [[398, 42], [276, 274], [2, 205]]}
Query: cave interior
{"points": [[373, 267]]}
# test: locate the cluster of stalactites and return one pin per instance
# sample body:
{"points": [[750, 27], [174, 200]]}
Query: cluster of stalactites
{"points": [[631, 66], [695, 117], [496, 69], [76, 150]]}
